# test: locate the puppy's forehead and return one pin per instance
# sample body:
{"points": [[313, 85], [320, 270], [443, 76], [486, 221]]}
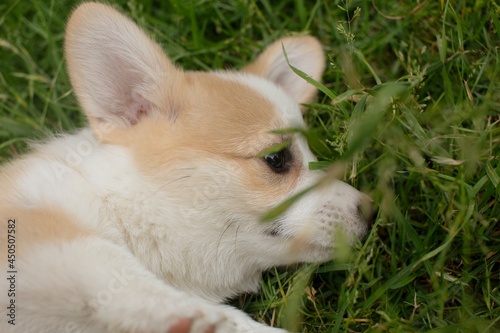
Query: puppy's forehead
{"points": [[238, 111], [282, 104], [244, 97]]}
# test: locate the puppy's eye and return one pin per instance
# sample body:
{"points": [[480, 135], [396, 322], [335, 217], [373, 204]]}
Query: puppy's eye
{"points": [[278, 161]]}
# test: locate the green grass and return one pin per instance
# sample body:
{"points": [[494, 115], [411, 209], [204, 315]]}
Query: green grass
{"points": [[415, 115]]}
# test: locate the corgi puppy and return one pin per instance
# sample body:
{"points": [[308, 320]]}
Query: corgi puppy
{"points": [[150, 218]]}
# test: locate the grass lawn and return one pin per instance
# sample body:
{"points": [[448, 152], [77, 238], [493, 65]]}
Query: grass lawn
{"points": [[410, 106]]}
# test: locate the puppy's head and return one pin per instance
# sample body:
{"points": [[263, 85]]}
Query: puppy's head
{"points": [[206, 143]]}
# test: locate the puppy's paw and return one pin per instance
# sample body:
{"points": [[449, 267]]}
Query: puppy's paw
{"points": [[206, 319], [182, 326], [221, 319]]}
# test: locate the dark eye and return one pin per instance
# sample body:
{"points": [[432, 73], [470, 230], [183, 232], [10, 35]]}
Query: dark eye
{"points": [[278, 161]]}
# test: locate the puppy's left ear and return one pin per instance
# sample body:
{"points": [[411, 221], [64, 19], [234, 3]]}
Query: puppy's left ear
{"points": [[304, 53]]}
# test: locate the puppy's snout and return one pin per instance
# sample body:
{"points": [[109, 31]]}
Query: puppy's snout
{"points": [[366, 210]]}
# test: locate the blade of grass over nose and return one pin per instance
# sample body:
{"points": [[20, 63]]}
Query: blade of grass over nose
{"points": [[285, 205], [332, 174]]}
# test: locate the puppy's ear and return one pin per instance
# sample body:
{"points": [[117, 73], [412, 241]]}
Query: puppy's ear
{"points": [[119, 75], [304, 53]]}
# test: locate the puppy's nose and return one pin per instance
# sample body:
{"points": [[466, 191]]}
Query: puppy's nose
{"points": [[366, 210]]}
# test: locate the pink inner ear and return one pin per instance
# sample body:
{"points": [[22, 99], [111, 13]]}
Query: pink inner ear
{"points": [[138, 107]]}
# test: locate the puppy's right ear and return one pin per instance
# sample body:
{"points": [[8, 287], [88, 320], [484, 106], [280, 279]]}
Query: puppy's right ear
{"points": [[119, 74]]}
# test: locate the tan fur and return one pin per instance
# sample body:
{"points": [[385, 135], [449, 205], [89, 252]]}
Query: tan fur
{"points": [[39, 225]]}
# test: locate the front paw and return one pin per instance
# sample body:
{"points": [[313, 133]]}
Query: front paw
{"points": [[221, 320], [204, 321]]}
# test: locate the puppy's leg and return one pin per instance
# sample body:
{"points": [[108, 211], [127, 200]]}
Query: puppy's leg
{"points": [[92, 285]]}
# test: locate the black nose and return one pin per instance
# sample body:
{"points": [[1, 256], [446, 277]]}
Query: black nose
{"points": [[366, 210]]}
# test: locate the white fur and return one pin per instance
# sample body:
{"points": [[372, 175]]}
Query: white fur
{"points": [[168, 241]]}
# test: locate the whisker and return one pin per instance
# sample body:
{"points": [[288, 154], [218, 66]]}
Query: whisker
{"points": [[173, 180], [226, 226], [236, 237]]}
